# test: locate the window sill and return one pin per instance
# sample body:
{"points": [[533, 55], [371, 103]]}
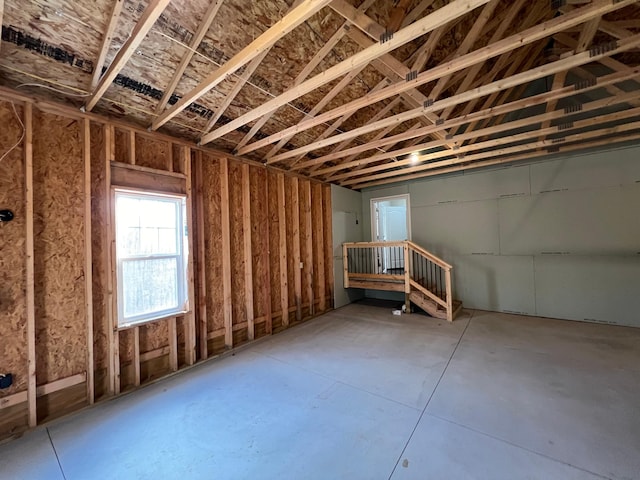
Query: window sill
{"points": [[138, 323]]}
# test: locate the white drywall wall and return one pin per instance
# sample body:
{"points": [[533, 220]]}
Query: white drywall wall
{"points": [[559, 238]]}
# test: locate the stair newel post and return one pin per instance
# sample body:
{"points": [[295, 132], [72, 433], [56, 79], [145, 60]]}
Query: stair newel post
{"points": [[407, 277], [345, 264], [449, 293]]}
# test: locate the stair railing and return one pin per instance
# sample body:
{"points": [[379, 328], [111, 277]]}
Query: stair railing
{"points": [[398, 266]]}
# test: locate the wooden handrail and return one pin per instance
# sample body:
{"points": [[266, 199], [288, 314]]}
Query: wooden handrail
{"points": [[360, 279], [437, 260], [400, 243]]}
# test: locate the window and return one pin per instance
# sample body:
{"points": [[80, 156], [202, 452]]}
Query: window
{"points": [[151, 256]]}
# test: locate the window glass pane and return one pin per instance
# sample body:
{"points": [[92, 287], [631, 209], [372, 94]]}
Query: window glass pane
{"points": [[167, 241], [127, 211], [128, 240], [149, 285], [147, 226], [158, 213]]}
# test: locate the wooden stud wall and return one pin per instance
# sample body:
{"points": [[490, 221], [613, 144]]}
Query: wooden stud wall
{"points": [[258, 263], [263, 216]]}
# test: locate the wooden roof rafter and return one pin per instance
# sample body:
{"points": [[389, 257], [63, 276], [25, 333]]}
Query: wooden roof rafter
{"points": [[471, 118], [473, 72], [587, 34], [106, 41], [205, 23], [505, 84], [531, 35], [471, 37], [385, 64], [466, 45], [420, 58], [580, 144], [304, 74], [501, 128], [527, 58], [517, 149], [286, 24], [140, 30], [418, 64], [439, 17]]}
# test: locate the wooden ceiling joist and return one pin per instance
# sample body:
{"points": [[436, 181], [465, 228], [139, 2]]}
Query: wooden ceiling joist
{"points": [[294, 18], [106, 41], [422, 55], [306, 71], [517, 149], [497, 35], [241, 81], [471, 118], [439, 17], [149, 17], [523, 62], [336, 124], [420, 58], [589, 30], [346, 80], [386, 64], [467, 44], [501, 128], [416, 87], [506, 160], [508, 44], [205, 23]]}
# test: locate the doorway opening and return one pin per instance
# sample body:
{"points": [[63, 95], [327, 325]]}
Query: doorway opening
{"points": [[390, 222]]}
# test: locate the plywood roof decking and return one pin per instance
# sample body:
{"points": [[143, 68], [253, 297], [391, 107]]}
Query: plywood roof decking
{"points": [[58, 43]]}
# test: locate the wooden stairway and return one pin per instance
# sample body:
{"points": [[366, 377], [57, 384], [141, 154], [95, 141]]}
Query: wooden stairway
{"points": [[432, 308], [405, 267]]}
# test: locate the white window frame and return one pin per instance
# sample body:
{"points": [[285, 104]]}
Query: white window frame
{"points": [[181, 257]]}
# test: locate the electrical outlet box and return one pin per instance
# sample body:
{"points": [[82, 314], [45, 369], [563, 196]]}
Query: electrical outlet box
{"points": [[6, 380], [301, 265]]}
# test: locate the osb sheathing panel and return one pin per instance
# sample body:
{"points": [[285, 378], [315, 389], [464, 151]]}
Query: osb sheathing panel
{"points": [[59, 247], [39, 68], [305, 234], [317, 227], [178, 163], [64, 22], [259, 239], [291, 266], [122, 146], [125, 338], [273, 213], [152, 153], [99, 199], [62, 402], [14, 420], [236, 233], [328, 242], [13, 349], [213, 240], [154, 335]]}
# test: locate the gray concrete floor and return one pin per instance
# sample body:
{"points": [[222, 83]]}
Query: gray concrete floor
{"points": [[362, 394]]}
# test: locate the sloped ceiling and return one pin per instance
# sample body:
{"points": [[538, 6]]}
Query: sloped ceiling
{"points": [[356, 93]]}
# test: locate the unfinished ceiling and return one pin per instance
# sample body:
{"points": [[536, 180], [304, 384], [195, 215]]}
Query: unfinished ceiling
{"points": [[358, 94]]}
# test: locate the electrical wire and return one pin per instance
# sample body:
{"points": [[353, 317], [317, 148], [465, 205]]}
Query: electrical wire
{"points": [[21, 136]]}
